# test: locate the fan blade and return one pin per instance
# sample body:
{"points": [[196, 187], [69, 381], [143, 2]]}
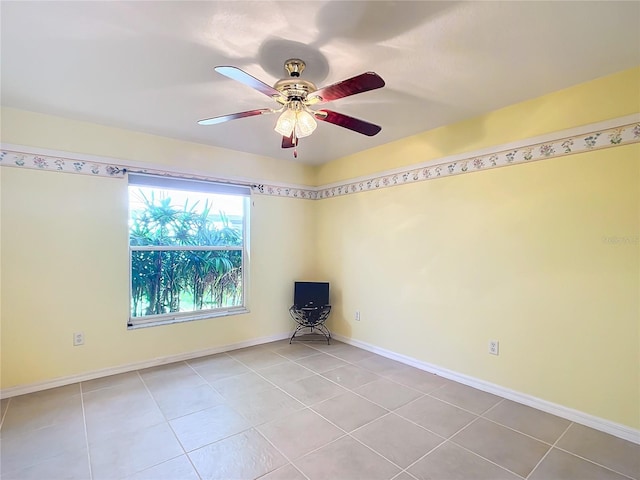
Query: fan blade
{"points": [[243, 77], [346, 121], [361, 83], [289, 142], [233, 116]]}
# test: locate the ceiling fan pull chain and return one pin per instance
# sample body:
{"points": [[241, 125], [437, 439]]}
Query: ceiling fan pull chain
{"points": [[294, 140]]}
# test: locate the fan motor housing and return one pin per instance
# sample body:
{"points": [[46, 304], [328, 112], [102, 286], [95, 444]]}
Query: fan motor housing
{"points": [[295, 88]]}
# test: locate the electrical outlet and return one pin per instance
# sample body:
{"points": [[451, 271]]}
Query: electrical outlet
{"points": [[494, 347], [357, 315], [78, 339]]}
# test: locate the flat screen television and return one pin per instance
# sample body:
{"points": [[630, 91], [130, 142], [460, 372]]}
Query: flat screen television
{"points": [[311, 294]]}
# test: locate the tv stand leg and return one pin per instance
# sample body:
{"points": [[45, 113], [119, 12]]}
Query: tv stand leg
{"points": [[320, 327]]}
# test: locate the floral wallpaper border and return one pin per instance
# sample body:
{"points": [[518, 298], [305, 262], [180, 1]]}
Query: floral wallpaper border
{"points": [[568, 145], [60, 164], [592, 138], [293, 192]]}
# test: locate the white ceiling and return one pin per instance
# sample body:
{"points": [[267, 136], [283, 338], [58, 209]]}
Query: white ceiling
{"points": [[148, 66]]}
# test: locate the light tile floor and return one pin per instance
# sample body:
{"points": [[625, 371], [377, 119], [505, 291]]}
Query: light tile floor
{"points": [[301, 411]]}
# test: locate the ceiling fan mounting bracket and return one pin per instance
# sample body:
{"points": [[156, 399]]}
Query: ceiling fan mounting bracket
{"points": [[294, 67]]}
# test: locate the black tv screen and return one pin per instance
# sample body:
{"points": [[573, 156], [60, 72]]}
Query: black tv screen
{"points": [[311, 294]]}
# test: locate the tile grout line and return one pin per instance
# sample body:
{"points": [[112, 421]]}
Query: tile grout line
{"points": [[478, 415], [86, 434], [390, 412], [406, 469], [283, 467], [588, 459], [381, 455], [450, 439], [309, 407], [391, 379], [406, 473], [500, 402], [518, 431], [575, 455], [286, 457], [315, 373], [256, 427], [383, 376], [501, 399], [549, 451], [318, 448], [4, 414], [166, 421], [306, 407], [253, 370], [585, 458], [388, 378], [348, 390], [594, 462], [34, 463], [496, 422], [347, 433], [486, 459], [278, 386]]}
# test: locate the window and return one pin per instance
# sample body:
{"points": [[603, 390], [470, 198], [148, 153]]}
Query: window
{"points": [[187, 249]]}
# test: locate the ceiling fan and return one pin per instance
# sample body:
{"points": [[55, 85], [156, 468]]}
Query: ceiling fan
{"points": [[296, 96]]}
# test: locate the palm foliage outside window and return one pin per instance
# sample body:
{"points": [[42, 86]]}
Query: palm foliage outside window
{"points": [[187, 249]]}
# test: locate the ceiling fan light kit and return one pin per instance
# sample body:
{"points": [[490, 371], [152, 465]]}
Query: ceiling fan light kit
{"points": [[286, 122], [305, 124], [297, 119], [296, 95]]}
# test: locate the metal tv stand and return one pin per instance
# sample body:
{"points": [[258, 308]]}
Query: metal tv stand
{"points": [[312, 318]]}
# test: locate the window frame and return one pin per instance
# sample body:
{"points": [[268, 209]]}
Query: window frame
{"points": [[185, 184]]}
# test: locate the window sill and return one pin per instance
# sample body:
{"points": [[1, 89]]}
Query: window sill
{"points": [[186, 318]]}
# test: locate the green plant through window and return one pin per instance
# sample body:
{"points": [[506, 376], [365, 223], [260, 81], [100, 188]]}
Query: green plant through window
{"points": [[186, 251]]}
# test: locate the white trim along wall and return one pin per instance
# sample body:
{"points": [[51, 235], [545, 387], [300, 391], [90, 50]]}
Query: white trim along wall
{"points": [[606, 426]]}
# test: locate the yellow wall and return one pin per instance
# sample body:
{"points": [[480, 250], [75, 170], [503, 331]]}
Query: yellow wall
{"points": [[64, 258], [608, 97], [517, 254], [45, 131], [437, 268]]}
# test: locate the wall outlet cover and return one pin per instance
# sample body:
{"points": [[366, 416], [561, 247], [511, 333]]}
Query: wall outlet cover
{"points": [[78, 339]]}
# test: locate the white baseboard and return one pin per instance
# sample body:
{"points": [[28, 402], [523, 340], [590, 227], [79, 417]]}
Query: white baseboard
{"points": [[105, 372], [606, 426]]}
